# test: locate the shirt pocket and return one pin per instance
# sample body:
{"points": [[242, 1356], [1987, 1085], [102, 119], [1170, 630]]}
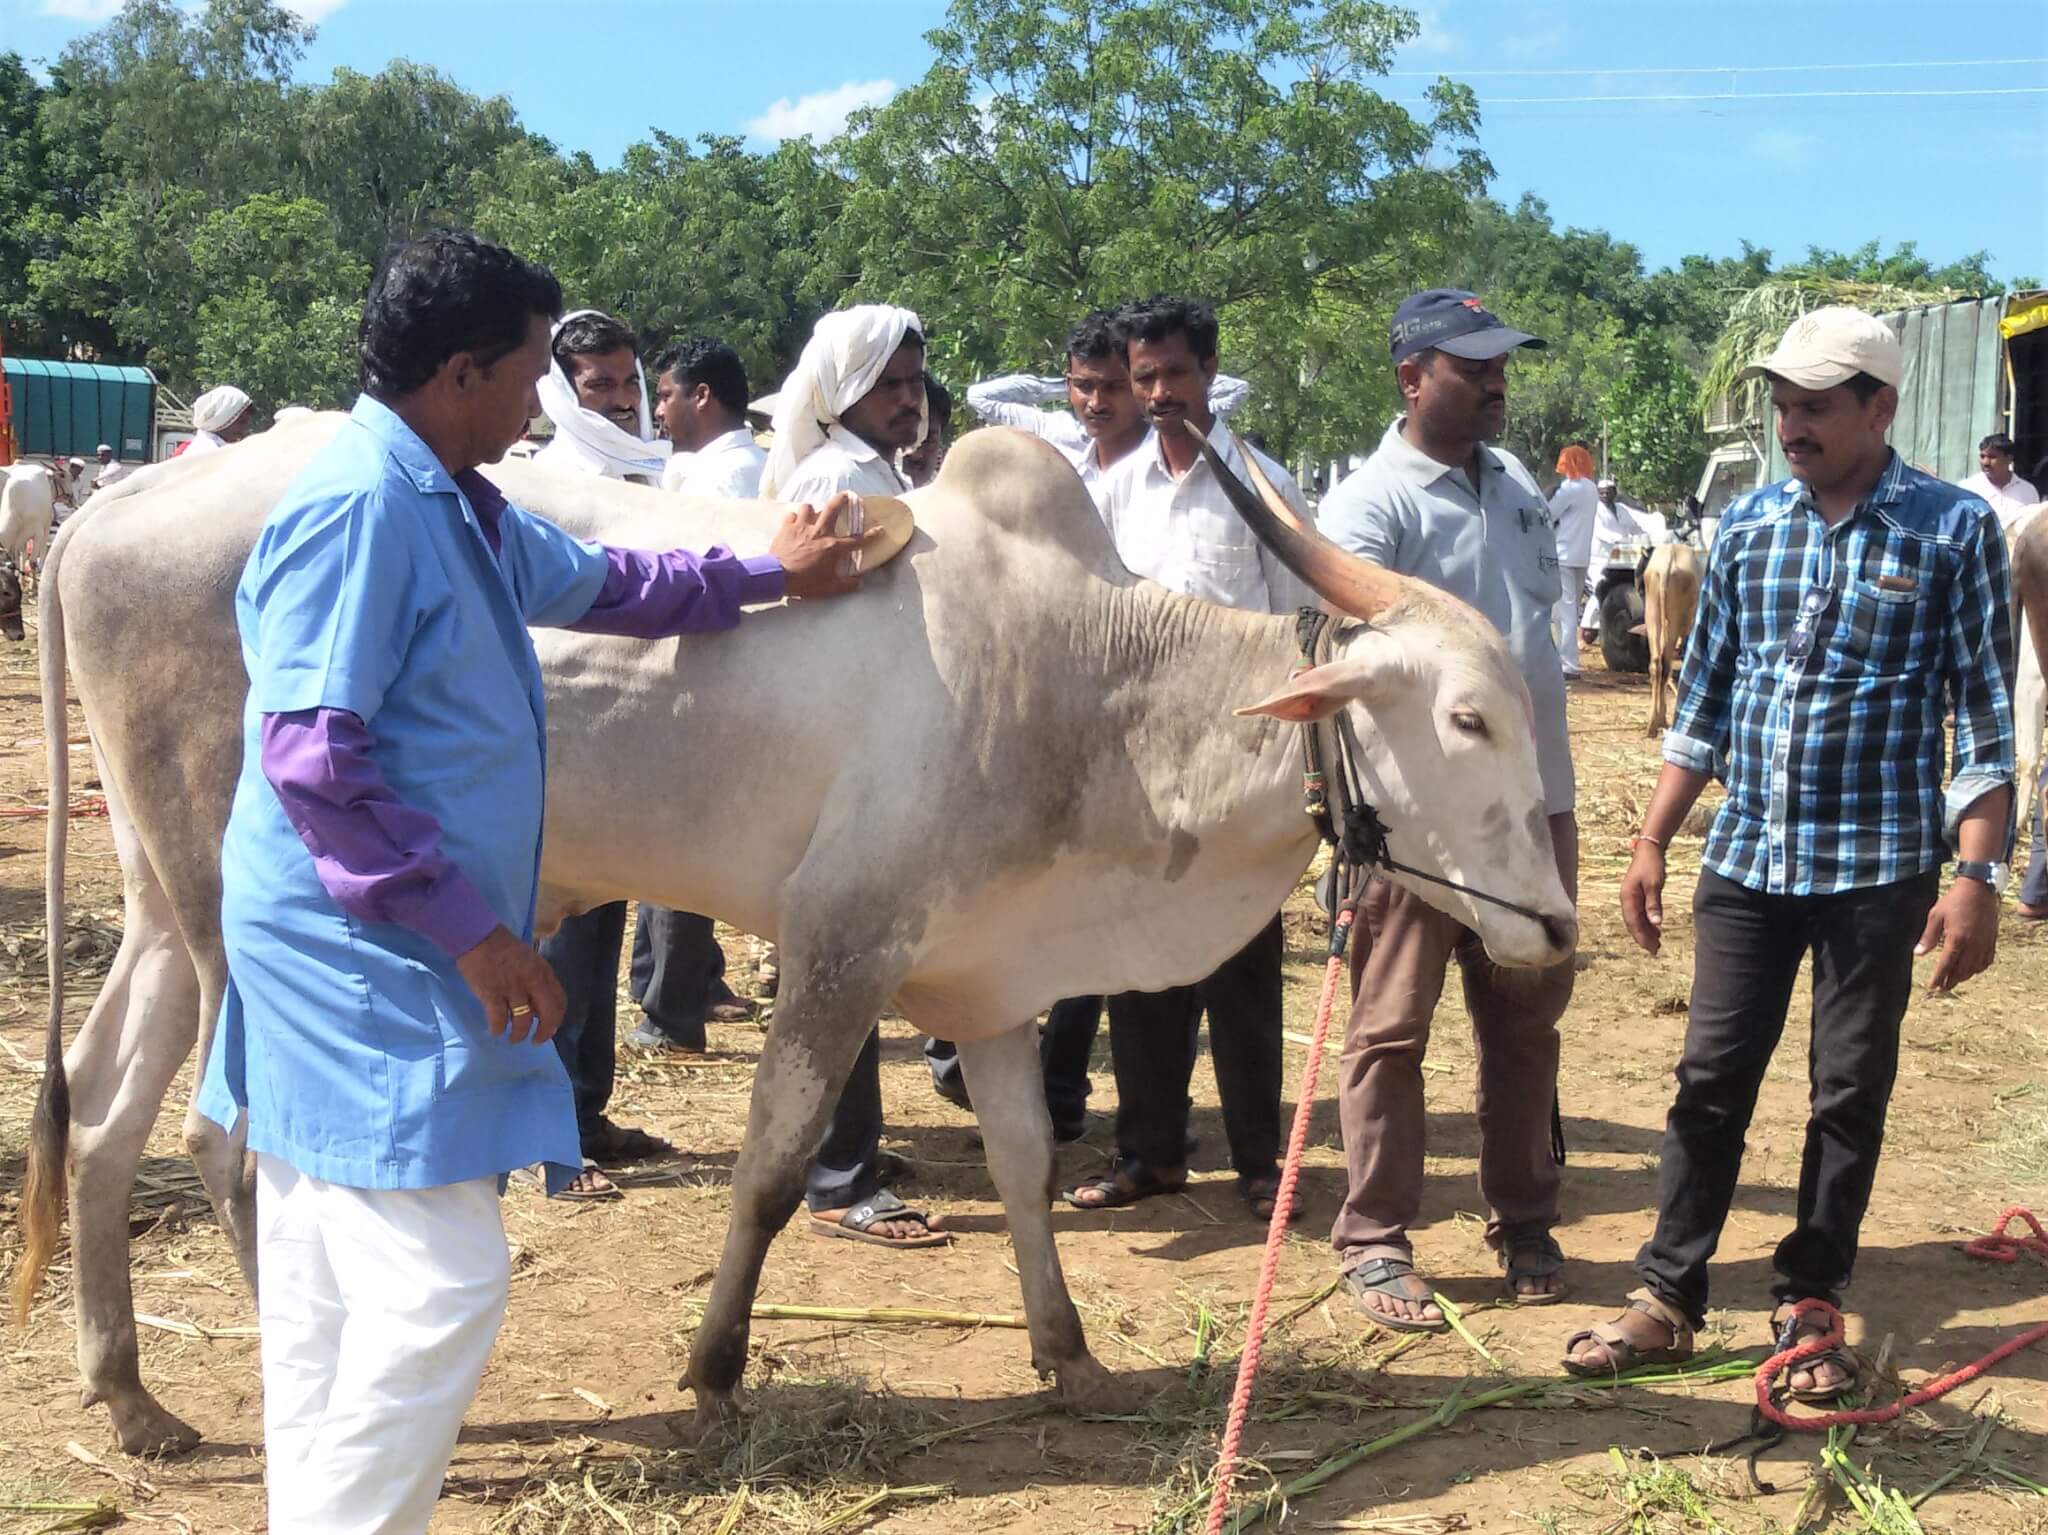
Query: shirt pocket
{"points": [[1888, 605]]}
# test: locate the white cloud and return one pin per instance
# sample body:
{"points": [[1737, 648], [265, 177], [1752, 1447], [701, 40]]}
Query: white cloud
{"points": [[1546, 43], [820, 114], [81, 10], [313, 12], [1787, 147], [1434, 37]]}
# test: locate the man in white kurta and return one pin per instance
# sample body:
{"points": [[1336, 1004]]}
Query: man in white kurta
{"points": [[700, 405], [1173, 523], [854, 401], [220, 416]]}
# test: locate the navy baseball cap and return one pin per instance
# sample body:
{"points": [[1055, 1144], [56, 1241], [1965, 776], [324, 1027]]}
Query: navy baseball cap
{"points": [[1451, 320]]}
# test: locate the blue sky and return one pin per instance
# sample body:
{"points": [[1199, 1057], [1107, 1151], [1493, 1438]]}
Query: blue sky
{"points": [[1956, 173]]}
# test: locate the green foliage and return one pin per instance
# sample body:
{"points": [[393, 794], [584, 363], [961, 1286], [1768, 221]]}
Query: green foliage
{"points": [[1654, 438], [172, 196]]}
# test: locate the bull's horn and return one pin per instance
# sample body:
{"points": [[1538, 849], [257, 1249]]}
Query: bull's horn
{"points": [[1355, 586]]}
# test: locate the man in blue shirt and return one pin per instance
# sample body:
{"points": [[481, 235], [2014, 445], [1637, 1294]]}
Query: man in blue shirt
{"points": [[1843, 615], [380, 869]]}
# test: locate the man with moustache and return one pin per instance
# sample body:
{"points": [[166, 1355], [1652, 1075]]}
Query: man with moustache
{"points": [[855, 400], [922, 463], [1173, 523], [1436, 503], [596, 395], [1106, 423], [1843, 614]]}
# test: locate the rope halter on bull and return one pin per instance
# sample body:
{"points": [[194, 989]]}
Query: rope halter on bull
{"points": [[1358, 838]]}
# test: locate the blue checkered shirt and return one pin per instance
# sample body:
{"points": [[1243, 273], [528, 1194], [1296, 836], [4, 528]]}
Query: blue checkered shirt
{"points": [[1833, 760]]}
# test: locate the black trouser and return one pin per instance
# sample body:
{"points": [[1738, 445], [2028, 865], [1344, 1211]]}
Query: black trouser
{"points": [[845, 1172], [1152, 1046], [1748, 949], [585, 953], [678, 972], [1064, 1045]]}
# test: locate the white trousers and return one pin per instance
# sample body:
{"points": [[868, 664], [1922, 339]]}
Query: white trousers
{"points": [[1565, 623], [378, 1309]]}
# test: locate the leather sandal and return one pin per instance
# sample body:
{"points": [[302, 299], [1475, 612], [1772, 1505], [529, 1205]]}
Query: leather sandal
{"points": [[1787, 1331], [1624, 1355], [1531, 1252], [1383, 1276]]}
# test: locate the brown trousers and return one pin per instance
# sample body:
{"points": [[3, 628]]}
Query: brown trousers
{"points": [[1401, 948]]}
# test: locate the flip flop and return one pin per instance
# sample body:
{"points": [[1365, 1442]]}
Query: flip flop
{"points": [[604, 1195], [1130, 1182], [1383, 1276], [855, 1225]]}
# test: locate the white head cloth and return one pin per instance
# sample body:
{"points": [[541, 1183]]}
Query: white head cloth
{"points": [[621, 452], [218, 408], [840, 364]]}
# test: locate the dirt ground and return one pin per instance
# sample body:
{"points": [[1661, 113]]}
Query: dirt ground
{"points": [[944, 1428]]}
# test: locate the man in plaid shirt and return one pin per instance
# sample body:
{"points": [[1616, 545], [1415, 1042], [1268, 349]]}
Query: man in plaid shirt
{"points": [[1843, 614]]}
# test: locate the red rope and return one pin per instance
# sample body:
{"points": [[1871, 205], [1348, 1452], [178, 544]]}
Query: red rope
{"points": [[1276, 1234], [80, 808], [1999, 1247]]}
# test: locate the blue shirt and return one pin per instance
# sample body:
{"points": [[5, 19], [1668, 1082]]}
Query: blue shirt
{"points": [[356, 1048], [1821, 664]]}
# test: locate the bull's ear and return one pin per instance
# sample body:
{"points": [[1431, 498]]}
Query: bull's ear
{"points": [[1318, 693]]}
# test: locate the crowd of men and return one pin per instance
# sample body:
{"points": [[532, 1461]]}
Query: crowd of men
{"points": [[1859, 602]]}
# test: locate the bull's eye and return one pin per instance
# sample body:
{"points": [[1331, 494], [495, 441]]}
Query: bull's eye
{"points": [[1469, 722]]}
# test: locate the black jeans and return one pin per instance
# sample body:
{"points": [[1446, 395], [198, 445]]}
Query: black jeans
{"points": [[584, 951], [846, 1171], [1064, 1045], [678, 972], [1152, 1046], [1749, 947]]}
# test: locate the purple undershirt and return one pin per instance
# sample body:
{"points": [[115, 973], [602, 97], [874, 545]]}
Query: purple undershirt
{"points": [[379, 858]]}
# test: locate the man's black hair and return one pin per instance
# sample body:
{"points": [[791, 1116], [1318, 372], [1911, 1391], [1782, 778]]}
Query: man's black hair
{"points": [[708, 361], [938, 400], [1864, 386], [1998, 442], [1154, 319], [444, 293], [1095, 338], [592, 335]]}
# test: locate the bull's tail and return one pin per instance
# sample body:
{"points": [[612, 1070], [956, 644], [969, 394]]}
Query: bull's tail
{"points": [[42, 1195]]}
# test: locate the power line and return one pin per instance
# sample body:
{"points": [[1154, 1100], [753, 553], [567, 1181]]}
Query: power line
{"points": [[1700, 69], [1571, 101]]}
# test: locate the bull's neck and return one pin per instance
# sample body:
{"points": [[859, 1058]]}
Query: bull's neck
{"points": [[1203, 662]]}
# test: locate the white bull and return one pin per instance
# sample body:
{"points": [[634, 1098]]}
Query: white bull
{"points": [[28, 501], [1008, 771]]}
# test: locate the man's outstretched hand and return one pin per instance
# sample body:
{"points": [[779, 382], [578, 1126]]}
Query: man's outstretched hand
{"points": [[816, 562]]}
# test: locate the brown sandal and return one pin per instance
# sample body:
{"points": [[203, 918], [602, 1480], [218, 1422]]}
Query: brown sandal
{"points": [[1624, 1355]]}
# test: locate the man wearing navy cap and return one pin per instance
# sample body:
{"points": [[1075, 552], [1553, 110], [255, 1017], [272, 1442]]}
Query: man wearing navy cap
{"points": [[1434, 502]]}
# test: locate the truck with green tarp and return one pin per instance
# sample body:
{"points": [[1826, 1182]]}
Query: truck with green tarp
{"points": [[59, 410]]}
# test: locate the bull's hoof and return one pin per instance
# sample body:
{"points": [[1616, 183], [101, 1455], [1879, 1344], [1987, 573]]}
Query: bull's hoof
{"points": [[713, 1428], [142, 1427], [1084, 1387]]}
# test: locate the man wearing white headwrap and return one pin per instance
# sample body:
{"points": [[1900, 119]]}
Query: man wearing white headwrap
{"points": [[219, 416], [596, 395], [855, 400]]}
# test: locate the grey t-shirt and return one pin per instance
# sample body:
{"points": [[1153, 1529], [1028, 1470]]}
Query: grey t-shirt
{"points": [[1405, 511]]}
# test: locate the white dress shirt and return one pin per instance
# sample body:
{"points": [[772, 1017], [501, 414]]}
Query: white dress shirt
{"points": [[1184, 533], [202, 442], [728, 465], [1017, 400], [113, 472], [1573, 507], [2012, 501], [843, 462]]}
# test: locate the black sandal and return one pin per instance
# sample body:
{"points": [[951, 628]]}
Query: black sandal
{"points": [[1531, 1252], [1383, 1276], [1262, 1193], [1130, 1181], [1787, 1328]]}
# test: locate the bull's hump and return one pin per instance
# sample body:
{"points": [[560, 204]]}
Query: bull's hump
{"points": [[1020, 484]]}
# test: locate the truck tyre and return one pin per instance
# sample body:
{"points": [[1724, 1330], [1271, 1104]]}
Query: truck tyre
{"points": [[1621, 610]]}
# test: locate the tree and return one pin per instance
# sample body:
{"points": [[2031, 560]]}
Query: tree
{"points": [[1065, 154], [283, 303], [1654, 436], [45, 181]]}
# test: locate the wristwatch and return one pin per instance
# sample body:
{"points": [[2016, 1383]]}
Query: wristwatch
{"points": [[1992, 874]]}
